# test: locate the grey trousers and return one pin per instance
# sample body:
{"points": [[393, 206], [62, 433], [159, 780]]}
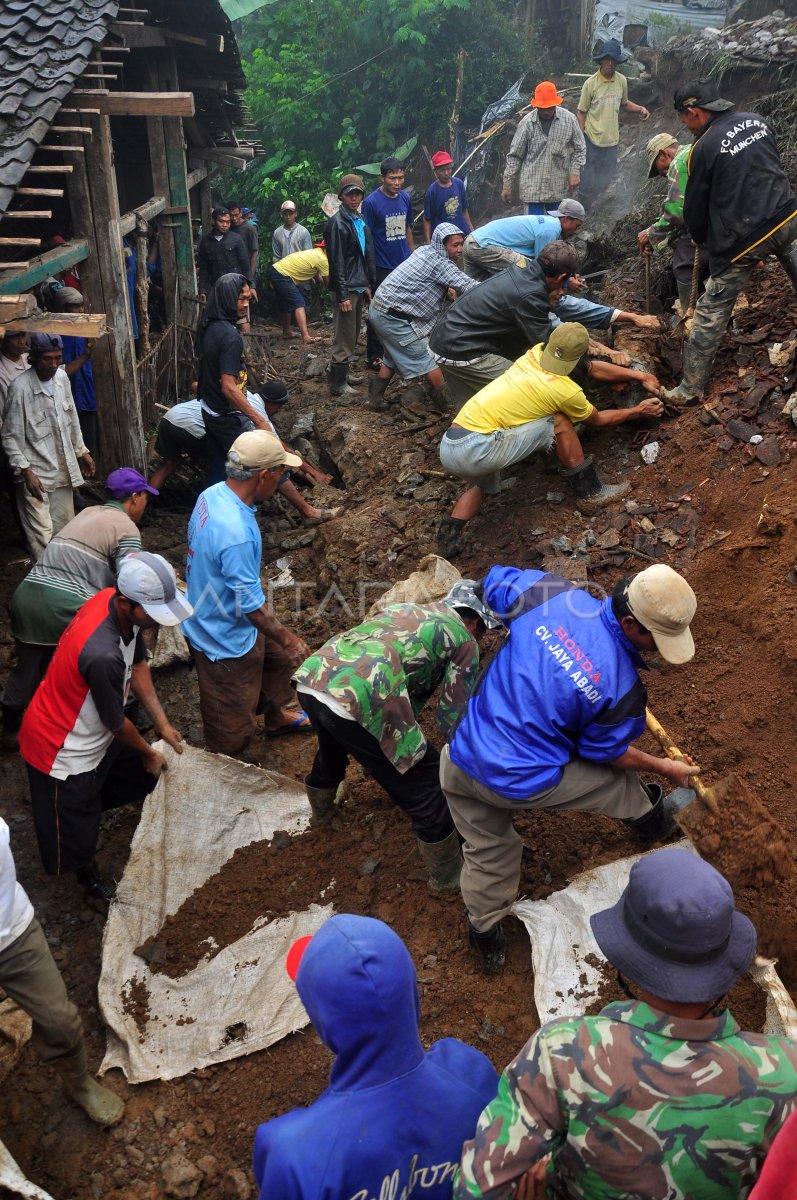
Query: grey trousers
{"points": [[480, 262], [493, 849], [465, 381], [346, 328], [715, 306], [28, 974]]}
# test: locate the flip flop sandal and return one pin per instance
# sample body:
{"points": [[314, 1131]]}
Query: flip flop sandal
{"points": [[300, 725]]}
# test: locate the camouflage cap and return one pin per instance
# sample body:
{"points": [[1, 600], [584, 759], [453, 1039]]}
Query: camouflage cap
{"points": [[675, 931], [466, 594]]}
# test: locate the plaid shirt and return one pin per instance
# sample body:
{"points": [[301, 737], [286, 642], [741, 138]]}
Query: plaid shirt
{"points": [[43, 431], [545, 161], [670, 225], [418, 287]]}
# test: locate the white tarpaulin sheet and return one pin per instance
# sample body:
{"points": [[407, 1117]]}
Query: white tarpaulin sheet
{"points": [[12, 1178], [566, 984], [203, 809]]}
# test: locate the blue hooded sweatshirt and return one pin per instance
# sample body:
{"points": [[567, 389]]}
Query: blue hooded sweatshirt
{"points": [[394, 1117]]}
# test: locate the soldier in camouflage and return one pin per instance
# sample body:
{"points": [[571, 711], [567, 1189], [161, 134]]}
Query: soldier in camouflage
{"points": [[363, 692], [666, 157], [662, 1097]]}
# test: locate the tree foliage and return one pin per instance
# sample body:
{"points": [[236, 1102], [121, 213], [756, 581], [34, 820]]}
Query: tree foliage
{"points": [[332, 83]]}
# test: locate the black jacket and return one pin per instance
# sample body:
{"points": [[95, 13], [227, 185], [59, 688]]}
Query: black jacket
{"points": [[504, 315], [737, 192], [349, 268], [217, 258]]}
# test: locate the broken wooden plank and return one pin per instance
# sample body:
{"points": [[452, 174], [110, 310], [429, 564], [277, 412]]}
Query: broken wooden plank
{"points": [[140, 104], [88, 325], [16, 306], [151, 208], [37, 269]]}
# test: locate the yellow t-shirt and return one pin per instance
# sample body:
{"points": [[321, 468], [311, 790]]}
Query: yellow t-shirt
{"points": [[601, 100], [525, 392], [303, 265]]}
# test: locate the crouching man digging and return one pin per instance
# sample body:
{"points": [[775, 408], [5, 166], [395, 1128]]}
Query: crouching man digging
{"points": [[529, 409], [363, 692], [553, 725]]}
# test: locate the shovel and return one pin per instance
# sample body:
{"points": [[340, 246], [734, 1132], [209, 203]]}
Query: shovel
{"points": [[730, 826]]}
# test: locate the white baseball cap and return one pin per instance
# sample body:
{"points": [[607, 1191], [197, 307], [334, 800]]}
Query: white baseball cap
{"points": [[147, 579]]}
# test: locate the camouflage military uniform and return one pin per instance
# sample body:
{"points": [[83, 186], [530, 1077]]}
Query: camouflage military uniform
{"points": [[384, 670], [635, 1103], [669, 229]]}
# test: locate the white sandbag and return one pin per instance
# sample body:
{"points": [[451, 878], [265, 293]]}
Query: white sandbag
{"points": [[13, 1179], [170, 647], [566, 984], [433, 580], [203, 809]]}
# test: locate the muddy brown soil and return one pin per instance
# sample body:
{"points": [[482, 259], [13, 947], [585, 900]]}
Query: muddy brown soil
{"points": [[714, 506]]}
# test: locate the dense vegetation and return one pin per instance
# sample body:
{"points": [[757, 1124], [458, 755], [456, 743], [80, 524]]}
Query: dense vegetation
{"points": [[335, 84]]}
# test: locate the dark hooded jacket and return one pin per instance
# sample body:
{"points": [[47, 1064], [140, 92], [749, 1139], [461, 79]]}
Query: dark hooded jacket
{"points": [[394, 1117], [221, 346], [219, 256], [737, 192], [349, 269], [504, 315]]}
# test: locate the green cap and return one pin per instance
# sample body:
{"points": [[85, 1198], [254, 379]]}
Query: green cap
{"points": [[564, 348]]}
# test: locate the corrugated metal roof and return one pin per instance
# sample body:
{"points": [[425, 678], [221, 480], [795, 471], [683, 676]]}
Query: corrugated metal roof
{"points": [[45, 47]]}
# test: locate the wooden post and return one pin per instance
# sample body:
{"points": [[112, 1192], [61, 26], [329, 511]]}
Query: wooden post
{"points": [[94, 204], [142, 286], [205, 203], [166, 242], [178, 188], [453, 120]]}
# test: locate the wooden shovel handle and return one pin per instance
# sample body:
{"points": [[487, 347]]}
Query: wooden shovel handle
{"points": [[671, 750]]}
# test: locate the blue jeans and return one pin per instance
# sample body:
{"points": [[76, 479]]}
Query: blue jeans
{"points": [[539, 210], [587, 312]]}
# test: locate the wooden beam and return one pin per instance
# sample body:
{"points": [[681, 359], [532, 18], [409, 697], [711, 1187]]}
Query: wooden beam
{"points": [[17, 305], [51, 170], [23, 191], [178, 194], [20, 241], [98, 75], [140, 104], [59, 148], [70, 129], [88, 325], [127, 222], [196, 176], [36, 270], [144, 37], [12, 266], [27, 214], [217, 153], [94, 207], [94, 112]]}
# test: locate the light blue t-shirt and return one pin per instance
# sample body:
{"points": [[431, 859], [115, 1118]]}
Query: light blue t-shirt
{"points": [[526, 235], [223, 573]]}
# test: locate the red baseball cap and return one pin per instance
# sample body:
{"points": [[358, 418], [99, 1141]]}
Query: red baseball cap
{"points": [[295, 954], [441, 158]]}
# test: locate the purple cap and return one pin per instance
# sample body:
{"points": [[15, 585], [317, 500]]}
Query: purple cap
{"points": [[675, 930], [125, 481]]}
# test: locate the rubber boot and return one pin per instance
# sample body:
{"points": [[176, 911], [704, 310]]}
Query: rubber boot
{"points": [[12, 720], [589, 490], [660, 823], [336, 376], [490, 947], [443, 861], [322, 802], [353, 379], [696, 370], [100, 1103], [449, 536], [440, 400], [376, 393], [789, 264], [96, 887]]}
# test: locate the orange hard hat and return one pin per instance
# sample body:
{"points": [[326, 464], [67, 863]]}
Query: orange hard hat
{"points": [[545, 95]]}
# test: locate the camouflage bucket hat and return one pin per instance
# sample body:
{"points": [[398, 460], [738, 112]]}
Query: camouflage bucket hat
{"points": [[675, 931], [464, 595]]}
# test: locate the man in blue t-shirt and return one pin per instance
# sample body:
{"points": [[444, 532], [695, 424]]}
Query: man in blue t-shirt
{"points": [[446, 198], [513, 241], [388, 214], [77, 364], [244, 656], [553, 725]]}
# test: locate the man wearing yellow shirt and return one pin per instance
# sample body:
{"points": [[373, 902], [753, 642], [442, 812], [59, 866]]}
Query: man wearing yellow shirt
{"points": [[285, 277], [602, 97], [532, 407]]}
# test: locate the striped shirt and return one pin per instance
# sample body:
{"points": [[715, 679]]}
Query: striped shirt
{"points": [[80, 561], [417, 289]]}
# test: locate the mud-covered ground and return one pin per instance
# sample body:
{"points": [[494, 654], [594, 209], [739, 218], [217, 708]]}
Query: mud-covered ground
{"points": [[713, 506]]}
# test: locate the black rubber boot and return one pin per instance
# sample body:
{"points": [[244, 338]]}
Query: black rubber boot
{"points": [[789, 264], [376, 393], [336, 376], [449, 536], [443, 861], [440, 400], [95, 886], [322, 802], [490, 947], [589, 489], [660, 823]]}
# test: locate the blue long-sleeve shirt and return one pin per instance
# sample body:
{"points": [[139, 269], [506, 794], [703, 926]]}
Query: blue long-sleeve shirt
{"points": [[565, 685]]}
